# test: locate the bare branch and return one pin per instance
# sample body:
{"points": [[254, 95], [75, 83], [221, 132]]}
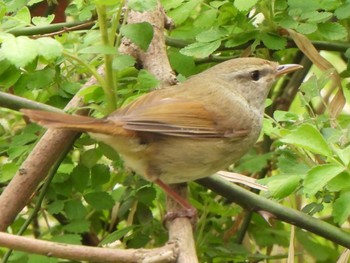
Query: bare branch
{"points": [[51, 146], [167, 253]]}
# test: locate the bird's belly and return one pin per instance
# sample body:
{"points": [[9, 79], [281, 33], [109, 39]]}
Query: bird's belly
{"points": [[188, 159], [177, 159]]}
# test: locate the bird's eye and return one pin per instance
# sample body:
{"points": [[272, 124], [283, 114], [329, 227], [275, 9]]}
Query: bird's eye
{"points": [[255, 75]]}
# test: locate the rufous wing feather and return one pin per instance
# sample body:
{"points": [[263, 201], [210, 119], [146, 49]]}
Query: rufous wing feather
{"points": [[175, 117]]}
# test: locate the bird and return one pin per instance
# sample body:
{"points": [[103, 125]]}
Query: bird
{"points": [[186, 131]]}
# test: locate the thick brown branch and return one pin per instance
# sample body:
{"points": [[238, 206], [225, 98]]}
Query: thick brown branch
{"points": [[167, 253], [34, 169], [155, 59]]}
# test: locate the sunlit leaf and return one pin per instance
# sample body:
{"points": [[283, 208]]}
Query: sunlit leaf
{"points": [[309, 138], [139, 33], [19, 51], [341, 208], [201, 50], [319, 176]]}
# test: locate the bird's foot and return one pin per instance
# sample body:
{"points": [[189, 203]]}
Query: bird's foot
{"points": [[190, 213]]}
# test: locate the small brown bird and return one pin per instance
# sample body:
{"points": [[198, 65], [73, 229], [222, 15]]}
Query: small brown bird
{"points": [[188, 131]]}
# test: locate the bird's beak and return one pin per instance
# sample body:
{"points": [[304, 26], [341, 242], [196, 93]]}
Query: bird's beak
{"points": [[286, 68]]}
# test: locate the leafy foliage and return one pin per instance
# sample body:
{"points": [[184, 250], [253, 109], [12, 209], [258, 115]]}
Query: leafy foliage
{"points": [[304, 156]]}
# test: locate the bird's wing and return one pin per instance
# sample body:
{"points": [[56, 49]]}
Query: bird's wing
{"points": [[176, 117]]}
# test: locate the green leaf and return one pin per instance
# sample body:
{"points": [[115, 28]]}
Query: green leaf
{"points": [[98, 49], [55, 207], [49, 48], [23, 139], [206, 19], [70, 87], [274, 42], [253, 163], [90, 157], [182, 64], [39, 79], [211, 35], [142, 5], [66, 168], [146, 81], [344, 154], [74, 209], [312, 246], [288, 22], [99, 200], [23, 15], [319, 17], [139, 33], [281, 186], [118, 192], [241, 38], [289, 163], [19, 51], [107, 2], [181, 13], [305, 6], [68, 239], [80, 177], [121, 62], [100, 174], [108, 151], [32, 258], [285, 116], [332, 31], [341, 208], [77, 226], [116, 235], [308, 137], [32, 2], [319, 176], [310, 88], [200, 50], [9, 76], [144, 214], [2, 10], [339, 183], [7, 171], [146, 195], [312, 208], [306, 28], [43, 21], [244, 5], [343, 11]]}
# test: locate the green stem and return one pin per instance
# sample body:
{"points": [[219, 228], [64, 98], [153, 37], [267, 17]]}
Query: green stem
{"points": [[89, 67], [113, 40], [320, 45], [255, 202], [108, 59], [14, 102], [40, 30]]}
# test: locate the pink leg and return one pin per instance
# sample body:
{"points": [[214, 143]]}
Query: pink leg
{"points": [[190, 211]]}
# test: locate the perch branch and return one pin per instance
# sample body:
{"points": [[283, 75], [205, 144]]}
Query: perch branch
{"points": [[255, 202], [155, 60], [167, 253]]}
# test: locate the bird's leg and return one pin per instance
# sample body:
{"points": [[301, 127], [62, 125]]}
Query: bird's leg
{"points": [[189, 211]]}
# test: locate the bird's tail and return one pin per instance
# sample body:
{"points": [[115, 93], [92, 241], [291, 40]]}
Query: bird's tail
{"points": [[79, 123]]}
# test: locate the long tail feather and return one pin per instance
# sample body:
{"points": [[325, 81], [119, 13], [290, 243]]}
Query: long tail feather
{"points": [[75, 122]]}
